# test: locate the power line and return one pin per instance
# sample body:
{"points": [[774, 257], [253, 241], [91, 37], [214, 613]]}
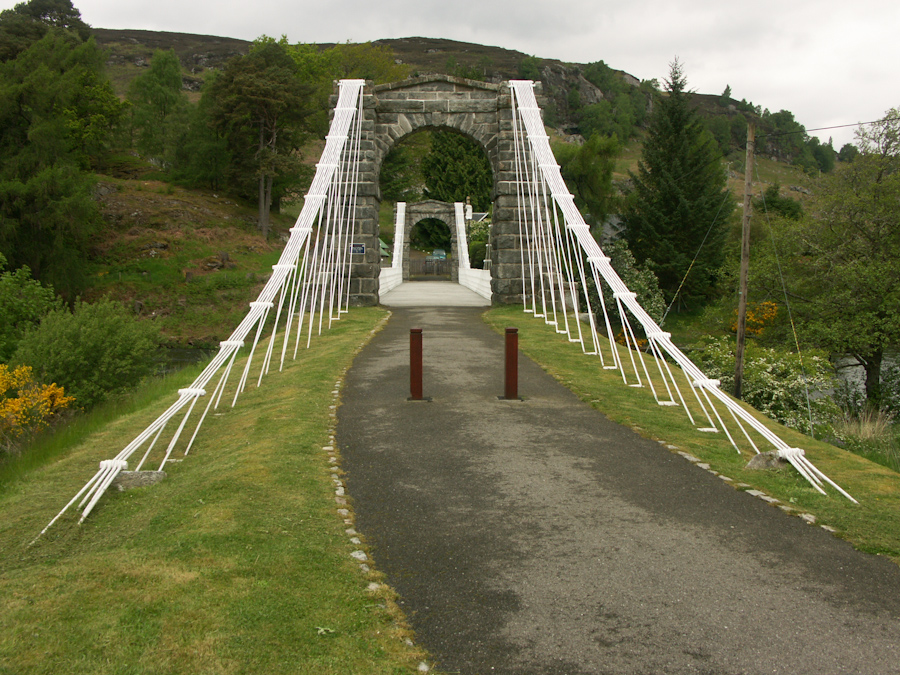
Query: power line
{"points": [[839, 126]]}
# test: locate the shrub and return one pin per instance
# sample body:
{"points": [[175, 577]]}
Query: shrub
{"points": [[26, 406], [774, 382], [23, 302], [94, 351], [641, 281]]}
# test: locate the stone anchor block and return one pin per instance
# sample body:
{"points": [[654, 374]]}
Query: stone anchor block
{"points": [[126, 480]]}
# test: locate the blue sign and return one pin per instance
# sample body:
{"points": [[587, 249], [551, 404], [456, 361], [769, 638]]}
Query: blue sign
{"points": [[358, 249]]}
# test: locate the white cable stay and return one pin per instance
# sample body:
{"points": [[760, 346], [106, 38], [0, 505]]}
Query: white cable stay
{"points": [[559, 256], [310, 280]]}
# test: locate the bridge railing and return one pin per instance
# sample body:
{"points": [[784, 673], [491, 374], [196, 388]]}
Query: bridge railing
{"points": [[478, 281], [391, 277]]}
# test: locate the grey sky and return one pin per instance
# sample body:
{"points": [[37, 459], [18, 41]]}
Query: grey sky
{"points": [[828, 62]]}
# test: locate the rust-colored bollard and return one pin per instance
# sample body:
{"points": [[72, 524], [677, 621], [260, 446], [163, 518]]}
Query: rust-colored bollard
{"points": [[511, 391], [415, 364]]}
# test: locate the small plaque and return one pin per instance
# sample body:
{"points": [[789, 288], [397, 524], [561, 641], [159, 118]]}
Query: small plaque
{"points": [[357, 249]]}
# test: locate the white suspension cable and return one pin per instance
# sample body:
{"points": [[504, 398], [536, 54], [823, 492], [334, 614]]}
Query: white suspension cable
{"points": [[549, 249], [330, 203]]}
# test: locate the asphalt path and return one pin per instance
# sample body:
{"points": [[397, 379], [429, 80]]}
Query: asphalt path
{"points": [[538, 537]]}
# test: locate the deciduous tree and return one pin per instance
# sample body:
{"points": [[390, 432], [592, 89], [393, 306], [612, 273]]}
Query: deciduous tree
{"points": [[842, 262]]}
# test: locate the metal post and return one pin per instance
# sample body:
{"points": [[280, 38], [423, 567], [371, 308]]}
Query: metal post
{"points": [[415, 364], [512, 364]]}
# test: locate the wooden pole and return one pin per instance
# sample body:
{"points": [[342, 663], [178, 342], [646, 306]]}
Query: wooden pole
{"points": [[745, 261]]}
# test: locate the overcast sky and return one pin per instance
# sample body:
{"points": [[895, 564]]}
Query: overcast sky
{"points": [[828, 62]]}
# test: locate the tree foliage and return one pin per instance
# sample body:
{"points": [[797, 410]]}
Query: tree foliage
{"points": [[320, 67], [23, 303], [773, 201], [639, 280], [57, 112], [624, 107], [28, 22], [455, 169], [679, 203], [92, 351], [260, 105], [842, 262], [588, 171], [159, 108]]}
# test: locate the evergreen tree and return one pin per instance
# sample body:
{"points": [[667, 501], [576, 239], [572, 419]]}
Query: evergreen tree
{"points": [[679, 203], [457, 168], [260, 105], [56, 113]]}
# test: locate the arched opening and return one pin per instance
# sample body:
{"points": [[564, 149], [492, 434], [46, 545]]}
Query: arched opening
{"points": [[439, 164], [468, 113], [430, 257]]}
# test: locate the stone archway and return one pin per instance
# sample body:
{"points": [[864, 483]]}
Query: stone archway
{"points": [[480, 110], [431, 208]]}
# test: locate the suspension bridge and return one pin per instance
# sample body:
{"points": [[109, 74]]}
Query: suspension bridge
{"points": [[543, 254]]}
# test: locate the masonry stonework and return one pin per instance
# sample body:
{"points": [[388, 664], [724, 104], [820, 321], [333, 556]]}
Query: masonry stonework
{"points": [[481, 111]]}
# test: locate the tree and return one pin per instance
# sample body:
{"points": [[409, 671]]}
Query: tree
{"points": [[56, 113], [159, 107], [679, 203], [725, 97], [261, 105], [588, 171], [842, 263], [321, 67], [28, 22], [23, 303], [773, 202], [457, 168]]}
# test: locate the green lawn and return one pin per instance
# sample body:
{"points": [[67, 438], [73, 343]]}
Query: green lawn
{"points": [[237, 562]]}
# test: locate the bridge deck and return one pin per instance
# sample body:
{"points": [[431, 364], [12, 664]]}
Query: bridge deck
{"points": [[539, 537], [432, 294]]}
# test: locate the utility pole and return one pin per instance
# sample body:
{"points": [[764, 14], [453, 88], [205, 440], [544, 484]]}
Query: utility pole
{"points": [[745, 260]]}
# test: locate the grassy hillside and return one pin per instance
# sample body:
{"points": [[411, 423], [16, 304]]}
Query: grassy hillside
{"points": [[191, 260]]}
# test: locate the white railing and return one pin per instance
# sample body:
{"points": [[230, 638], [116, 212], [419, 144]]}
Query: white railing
{"points": [[478, 281], [392, 276]]}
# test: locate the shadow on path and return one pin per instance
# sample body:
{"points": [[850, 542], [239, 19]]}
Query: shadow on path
{"points": [[538, 537]]}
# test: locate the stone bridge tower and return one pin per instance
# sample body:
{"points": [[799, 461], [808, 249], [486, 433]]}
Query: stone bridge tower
{"points": [[479, 110]]}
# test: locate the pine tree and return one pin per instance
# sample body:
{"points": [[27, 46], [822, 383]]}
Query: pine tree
{"points": [[457, 168], [679, 204]]}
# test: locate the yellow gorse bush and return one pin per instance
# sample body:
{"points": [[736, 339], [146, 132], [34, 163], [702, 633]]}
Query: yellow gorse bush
{"points": [[759, 316], [26, 406]]}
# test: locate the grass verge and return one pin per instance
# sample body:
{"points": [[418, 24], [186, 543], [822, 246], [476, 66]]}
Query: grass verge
{"points": [[873, 525], [237, 562]]}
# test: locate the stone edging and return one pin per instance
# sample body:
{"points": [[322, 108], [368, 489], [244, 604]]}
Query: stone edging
{"points": [[808, 518], [340, 496]]}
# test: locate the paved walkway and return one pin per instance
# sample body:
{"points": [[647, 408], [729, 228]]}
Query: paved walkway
{"points": [[537, 537]]}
